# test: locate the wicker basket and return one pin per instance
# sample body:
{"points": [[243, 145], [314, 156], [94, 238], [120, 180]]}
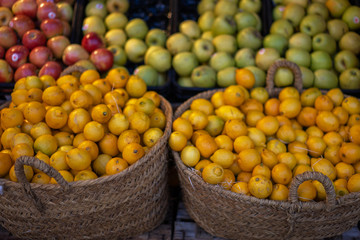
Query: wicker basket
{"points": [[230, 215], [126, 204]]}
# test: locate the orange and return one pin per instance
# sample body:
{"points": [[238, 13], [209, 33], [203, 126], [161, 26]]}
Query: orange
{"points": [[344, 133], [288, 92], [67, 107], [58, 160], [324, 166], [354, 119], [89, 76], [248, 159], [244, 177], [135, 86], [344, 170], [351, 105], [85, 175], [302, 158], [39, 129], [228, 180], [22, 138], [114, 98], [257, 136], [290, 107], [140, 122], [79, 138], [235, 168], [34, 94], [77, 119], [47, 81], [331, 153], [217, 99], [244, 77], [286, 134], [280, 192], [314, 131], [262, 169], [117, 77], [224, 142], [213, 173], [349, 152], [103, 85], [353, 184], [34, 112], [118, 123], [64, 138], [327, 121], [154, 96], [101, 113], [276, 146], [202, 105], [332, 138], [127, 137], [107, 143], [11, 117], [19, 96], [215, 125], [40, 178], [81, 99], [251, 104], [341, 114], [271, 107], [241, 187], [288, 159], [198, 120], [316, 146], [297, 147], [158, 119], [99, 165], [46, 143], [354, 134], [94, 131], [94, 92], [307, 116], [268, 158], [235, 128], [78, 159], [199, 167], [66, 79], [53, 96], [56, 117], [243, 142], [206, 145], [5, 164], [283, 120], [234, 95], [115, 165], [91, 147], [252, 117], [151, 136], [281, 173], [29, 173], [323, 103], [184, 126], [177, 141], [190, 156], [260, 94], [69, 88], [306, 191], [7, 137], [223, 157], [260, 186], [301, 168]]}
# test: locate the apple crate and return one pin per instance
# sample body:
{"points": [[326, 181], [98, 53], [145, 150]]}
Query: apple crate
{"points": [[156, 14], [187, 10]]}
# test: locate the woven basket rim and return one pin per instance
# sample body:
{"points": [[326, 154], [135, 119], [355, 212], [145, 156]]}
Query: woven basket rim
{"points": [[193, 176], [165, 106]]}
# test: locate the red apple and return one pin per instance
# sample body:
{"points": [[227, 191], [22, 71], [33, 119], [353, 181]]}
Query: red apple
{"points": [[57, 45], [8, 37], [16, 55], [21, 24], [38, 2], [25, 7], [92, 41], [47, 10], [2, 52], [102, 58], [66, 28], [33, 38], [7, 3], [5, 16], [6, 72], [27, 69], [52, 27], [74, 53], [51, 68], [40, 55]]}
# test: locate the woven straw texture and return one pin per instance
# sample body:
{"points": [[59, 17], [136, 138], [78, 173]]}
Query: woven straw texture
{"points": [[126, 204], [236, 216]]}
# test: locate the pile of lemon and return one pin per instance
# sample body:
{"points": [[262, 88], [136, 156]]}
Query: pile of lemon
{"points": [[84, 127], [249, 143]]}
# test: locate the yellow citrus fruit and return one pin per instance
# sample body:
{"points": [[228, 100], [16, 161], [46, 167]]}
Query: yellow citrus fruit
{"points": [[301, 168], [53, 96], [307, 116], [276, 146], [314, 131], [302, 158], [217, 99], [324, 166], [117, 77], [215, 125], [81, 99], [56, 117], [281, 173], [340, 182], [351, 105], [135, 86], [243, 142], [251, 104], [336, 95], [341, 191], [99, 164], [244, 77], [288, 92], [224, 142], [262, 169], [341, 114], [306, 191], [47, 81], [114, 98], [286, 134], [177, 141], [64, 138], [241, 187], [152, 136], [89, 76], [228, 112], [301, 135], [91, 147], [69, 88], [8, 135], [354, 134], [158, 120], [327, 121], [331, 153], [38, 129], [184, 126], [316, 146], [85, 175], [46, 143], [228, 180], [140, 122], [223, 157], [78, 159], [268, 125], [22, 138], [213, 173], [5, 164], [118, 123], [40, 178], [344, 170], [235, 128], [321, 193], [288, 159], [260, 94], [280, 192], [248, 159], [29, 173], [199, 167], [349, 152], [202, 105], [190, 156], [290, 107], [11, 117], [234, 95], [260, 186], [332, 138], [354, 119], [323, 103], [77, 119], [133, 152], [101, 113], [271, 107], [66, 79], [115, 165], [34, 112], [94, 131], [198, 120], [252, 117], [58, 160], [66, 175], [353, 184], [43, 157], [127, 137], [268, 158], [297, 147], [94, 92]]}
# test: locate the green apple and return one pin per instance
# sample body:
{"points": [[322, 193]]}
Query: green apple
{"points": [[223, 24], [307, 77], [345, 59], [185, 82], [115, 37], [282, 27], [221, 60], [120, 57], [184, 63], [298, 56], [136, 28], [352, 17], [278, 12], [265, 57], [246, 19], [93, 24], [205, 5], [226, 77], [190, 28], [96, 8], [260, 75], [318, 8], [350, 79], [160, 59], [324, 42], [206, 20], [294, 13], [277, 41], [117, 5], [225, 43], [204, 76], [302, 3], [250, 5], [178, 42], [325, 79], [249, 38], [116, 20], [135, 50], [244, 57], [320, 60], [313, 24], [337, 7], [337, 28], [155, 37], [148, 74], [207, 35], [300, 40], [149, 50], [203, 49], [350, 41], [283, 77], [225, 7], [162, 79]]}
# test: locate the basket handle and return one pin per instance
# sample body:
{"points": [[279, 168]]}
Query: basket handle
{"points": [[73, 70], [323, 179], [42, 166], [272, 71]]}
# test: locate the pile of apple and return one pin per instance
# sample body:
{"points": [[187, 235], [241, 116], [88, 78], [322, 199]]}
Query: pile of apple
{"points": [[129, 40], [33, 36], [321, 36], [225, 36]]}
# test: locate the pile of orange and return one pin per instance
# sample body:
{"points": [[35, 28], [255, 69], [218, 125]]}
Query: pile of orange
{"points": [[249, 143], [84, 127]]}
